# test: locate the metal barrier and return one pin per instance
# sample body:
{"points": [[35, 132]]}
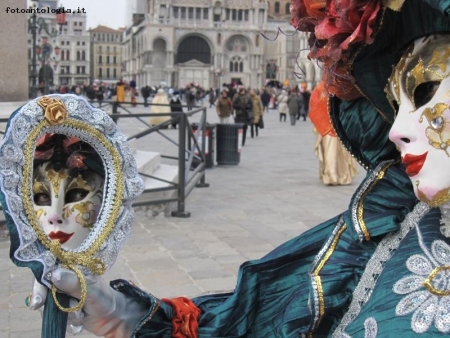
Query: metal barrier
{"points": [[188, 176]]}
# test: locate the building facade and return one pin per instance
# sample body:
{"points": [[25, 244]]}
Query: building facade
{"points": [[61, 59], [210, 42], [106, 54]]}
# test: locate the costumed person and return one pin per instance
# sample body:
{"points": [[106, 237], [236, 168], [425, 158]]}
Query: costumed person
{"points": [[224, 107], [120, 91], [283, 108], [336, 165], [160, 105], [243, 109], [379, 269]]}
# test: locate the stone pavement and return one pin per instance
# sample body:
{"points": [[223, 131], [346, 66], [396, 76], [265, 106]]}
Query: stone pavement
{"points": [[273, 195]]}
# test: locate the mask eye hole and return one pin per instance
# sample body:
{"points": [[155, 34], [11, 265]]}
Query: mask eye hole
{"points": [[42, 199], [75, 195], [425, 92]]}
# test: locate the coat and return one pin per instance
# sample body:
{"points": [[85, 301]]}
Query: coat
{"points": [[160, 98], [292, 103], [257, 108], [282, 103], [224, 107], [242, 103]]}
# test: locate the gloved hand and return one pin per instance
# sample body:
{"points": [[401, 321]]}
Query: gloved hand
{"points": [[106, 312]]}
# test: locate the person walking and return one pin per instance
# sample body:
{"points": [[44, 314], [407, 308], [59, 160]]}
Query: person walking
{"points": [[282, 105], [243, 107], [306, 96], [160, 104], [258, 111], [99, 95], [224, 107], [265, 100], [212, 98], [145, 91], [292, 103]]}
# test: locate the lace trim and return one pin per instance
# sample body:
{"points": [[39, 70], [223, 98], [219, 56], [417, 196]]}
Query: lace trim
{"points": [[374, 268]]}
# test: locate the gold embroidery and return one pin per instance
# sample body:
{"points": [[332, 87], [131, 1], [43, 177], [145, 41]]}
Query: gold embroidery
{"points": [[431, 288]]}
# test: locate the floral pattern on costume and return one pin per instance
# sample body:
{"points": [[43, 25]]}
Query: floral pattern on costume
{"points": [[427, 289]]}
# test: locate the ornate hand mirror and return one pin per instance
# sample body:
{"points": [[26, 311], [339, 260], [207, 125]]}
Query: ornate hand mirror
{"points": [[60, 153]]}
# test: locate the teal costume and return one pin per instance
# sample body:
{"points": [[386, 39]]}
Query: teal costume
{"points": [[362, 273], [379, 269]]}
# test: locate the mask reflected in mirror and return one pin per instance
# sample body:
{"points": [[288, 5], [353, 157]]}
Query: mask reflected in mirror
{"points": [[67, 188]]}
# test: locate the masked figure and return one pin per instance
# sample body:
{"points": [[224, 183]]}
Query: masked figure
{"points": [[381, 267]]}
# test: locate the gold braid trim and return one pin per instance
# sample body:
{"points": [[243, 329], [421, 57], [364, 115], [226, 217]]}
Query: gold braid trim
{"points": [[360, 210], [316, 274], [70, 259]]}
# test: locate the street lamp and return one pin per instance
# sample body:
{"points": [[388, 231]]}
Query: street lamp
{"points": [[35, 26]]}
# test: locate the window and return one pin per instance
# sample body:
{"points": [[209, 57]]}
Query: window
{"points": [[29, 53], [62, 42], [100, 59], [183, 12], [107, 60], [75, 23], [277, 7], [115, 73], [100, 73], [227, 14], [114, 49], [107, 49], [219, 38], [83, 55], [100, 49], [257, 40], [205, 13], [107, 73], [63, 54], [68, 55], [78, 43], [240, 17], [236, 64], [233, 15], [246, 15], [175, 13], [198, 13], [191, 13], [114, 60], [287, 9], [83, 43]]}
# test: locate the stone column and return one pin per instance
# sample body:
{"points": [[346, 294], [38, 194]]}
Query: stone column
{"points": [[14, 57]]}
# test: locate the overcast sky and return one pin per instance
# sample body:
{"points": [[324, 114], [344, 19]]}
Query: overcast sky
{"points": [[109, 13]]}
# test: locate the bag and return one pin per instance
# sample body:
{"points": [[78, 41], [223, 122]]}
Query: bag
{"points": [[261, 123], [249, 115]]}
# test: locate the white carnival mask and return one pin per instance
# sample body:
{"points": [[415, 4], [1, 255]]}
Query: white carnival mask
{"points": [[67, 202], [420, 88]]}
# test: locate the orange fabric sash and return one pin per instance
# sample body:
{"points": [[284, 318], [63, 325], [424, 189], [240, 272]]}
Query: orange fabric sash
{"points": [[185, 318]]}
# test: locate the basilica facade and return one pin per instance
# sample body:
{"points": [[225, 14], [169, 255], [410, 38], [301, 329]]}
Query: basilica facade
{"points": [[211, 42]]}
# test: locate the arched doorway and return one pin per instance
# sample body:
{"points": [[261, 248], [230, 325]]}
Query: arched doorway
{"points": [[159, 62], [193, 60]]}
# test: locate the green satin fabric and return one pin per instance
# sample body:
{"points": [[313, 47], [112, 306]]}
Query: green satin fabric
{"points": [[274, 296]]}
